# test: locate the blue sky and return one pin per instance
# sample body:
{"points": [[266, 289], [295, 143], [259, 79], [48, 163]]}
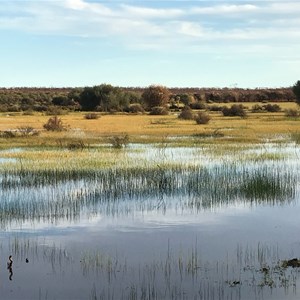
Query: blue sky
{"points": [[179, 43]]}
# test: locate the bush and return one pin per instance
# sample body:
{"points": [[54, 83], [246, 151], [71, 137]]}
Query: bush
{"points": [[76, 145], [215, 107], [159, 110], [27, 131], [156, 96], [55, 111], [234, 110], [54, 124], [28, 113], [198, 105], [272, 108], [136, 108], [186, 114], [292, 113], [202, 118], [257, 108], [91, 116], [119, 141], [8, 134]]}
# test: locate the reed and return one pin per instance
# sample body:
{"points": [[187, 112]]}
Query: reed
{"points": [[33, 188], [172, 273]]}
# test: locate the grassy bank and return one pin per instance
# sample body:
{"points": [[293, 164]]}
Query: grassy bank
{"points": [[146, 128]]}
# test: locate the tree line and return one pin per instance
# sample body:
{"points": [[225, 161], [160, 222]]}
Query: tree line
{"points": [[108, 98]]}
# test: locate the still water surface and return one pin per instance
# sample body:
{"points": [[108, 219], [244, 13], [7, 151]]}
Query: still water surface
{"points": [[161, 246]]}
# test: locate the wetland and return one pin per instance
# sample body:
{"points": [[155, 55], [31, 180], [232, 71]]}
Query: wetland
{"points": [[151, 221]]}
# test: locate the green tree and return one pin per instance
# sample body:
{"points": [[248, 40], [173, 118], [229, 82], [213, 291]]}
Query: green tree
{"points": [[296, 91], [103, 97], [186, 99], [88, 99], [156, 95]]}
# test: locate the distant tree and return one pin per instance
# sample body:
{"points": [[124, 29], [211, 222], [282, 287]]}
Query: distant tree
{"points": [[74, 94], [156, 95], [296, 91], [186, 99], [88, 99], [104, 97], [107, 96]]}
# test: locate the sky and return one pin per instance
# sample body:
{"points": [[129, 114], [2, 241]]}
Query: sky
{"points": [[182, 43]]}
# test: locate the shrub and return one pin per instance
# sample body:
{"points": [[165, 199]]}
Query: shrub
{"points": [[91, 116], [28, 113], [257, 108], [272, 108], [292, 113], [202, 118], [8, 134], [4, 108], [76, 145], [55, 111], [27, 131], [54, 124], [296, 91], [215, 107], [159, 110], [186, 114], [136, 108], [119, 141], [295, 137], [198, 105], [234, 110], [156, 95]]}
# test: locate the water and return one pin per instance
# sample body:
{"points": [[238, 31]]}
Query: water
{"points": [[212, 242]]}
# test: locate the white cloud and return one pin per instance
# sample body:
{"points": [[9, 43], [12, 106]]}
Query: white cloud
{"points": [[225, 9], [156, 27], [146, 12], [284, 8], [76, 4], [191, 29]]}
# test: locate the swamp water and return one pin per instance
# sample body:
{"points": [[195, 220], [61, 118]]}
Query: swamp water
{"points": [[169, 223]]}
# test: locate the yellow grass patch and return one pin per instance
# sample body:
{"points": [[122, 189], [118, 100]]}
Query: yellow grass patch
{"points": [[145, 127]]}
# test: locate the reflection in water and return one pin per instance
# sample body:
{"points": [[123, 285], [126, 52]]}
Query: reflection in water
{"points": [[176, 228], [55, 196], [9, 267]]}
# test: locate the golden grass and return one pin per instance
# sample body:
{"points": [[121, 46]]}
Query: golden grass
{"points": [[145, 127]]}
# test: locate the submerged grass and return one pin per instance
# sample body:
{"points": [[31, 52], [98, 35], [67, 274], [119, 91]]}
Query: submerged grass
{"points": [[171, 273], [186, 275], [54, 194], [59, 184]]}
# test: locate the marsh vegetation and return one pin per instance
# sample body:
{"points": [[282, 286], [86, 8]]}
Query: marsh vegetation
{"points": [[164, 220]]}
